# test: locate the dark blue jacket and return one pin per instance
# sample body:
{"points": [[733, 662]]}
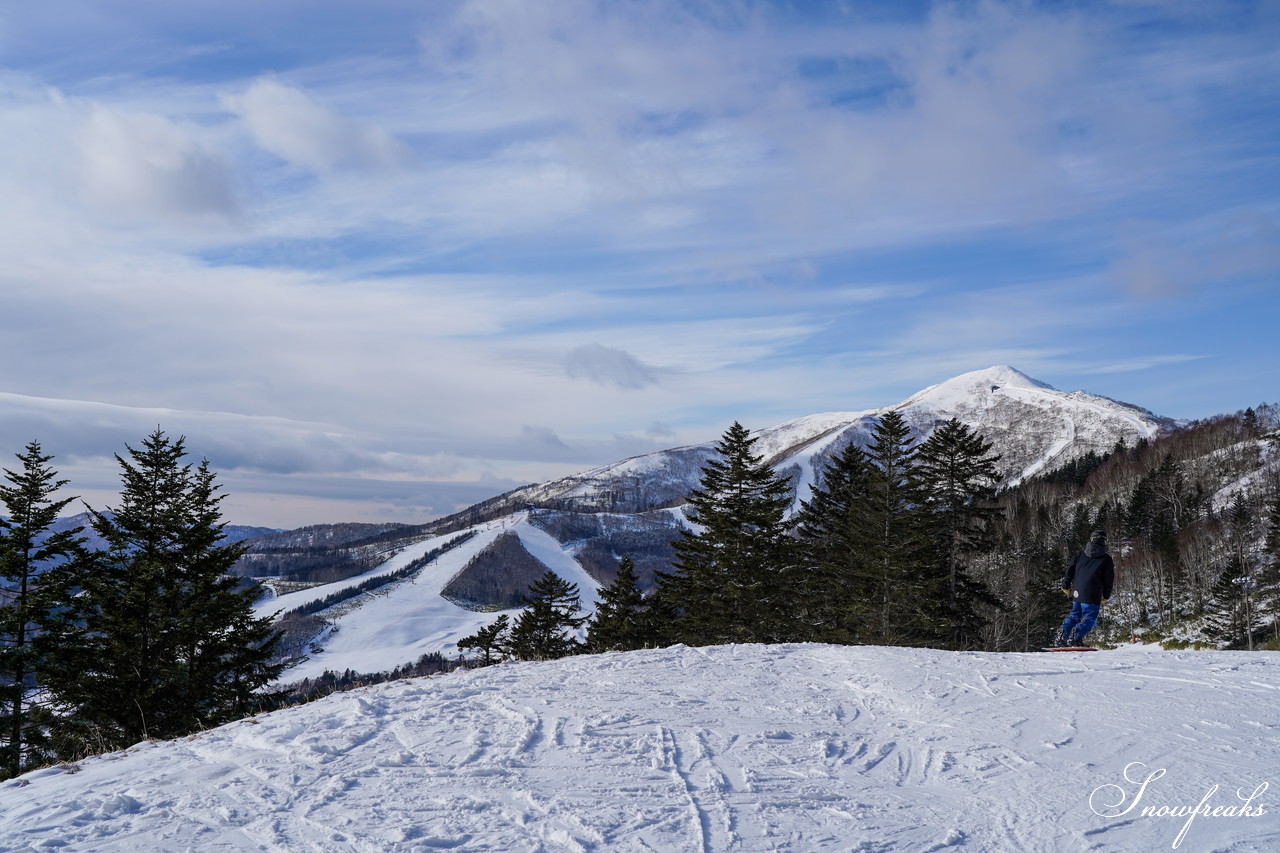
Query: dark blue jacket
{"points": [[1091, 574]]}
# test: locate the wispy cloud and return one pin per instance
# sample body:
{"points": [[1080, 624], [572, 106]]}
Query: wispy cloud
{"points": [[375, 241], [1229, 247], [608, 366], [143, 165], [290, 124]]}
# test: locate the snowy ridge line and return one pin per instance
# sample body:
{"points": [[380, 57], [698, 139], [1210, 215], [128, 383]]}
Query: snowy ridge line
{"points": [[730, 748], [1019, 413], [1022, 415]]}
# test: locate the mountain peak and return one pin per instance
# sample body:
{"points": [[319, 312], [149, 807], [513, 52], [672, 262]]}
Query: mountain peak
{"points": [[975, 384], [1002, 374]]}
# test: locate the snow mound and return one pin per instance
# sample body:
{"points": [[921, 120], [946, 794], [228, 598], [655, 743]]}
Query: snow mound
{"points": [[743, 748]]}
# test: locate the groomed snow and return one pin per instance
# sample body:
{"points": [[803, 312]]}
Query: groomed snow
{"points": [[283, 603], [399, 623], [731, 748]]}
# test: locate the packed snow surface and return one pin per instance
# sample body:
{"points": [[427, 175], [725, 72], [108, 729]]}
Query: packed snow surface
{"points": [[730, 748], [399, 623]]}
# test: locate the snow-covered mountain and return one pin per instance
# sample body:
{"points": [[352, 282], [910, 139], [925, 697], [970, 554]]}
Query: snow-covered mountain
{"points": [[731, 748], [1033, 426], [580, 526], [84, 521]]}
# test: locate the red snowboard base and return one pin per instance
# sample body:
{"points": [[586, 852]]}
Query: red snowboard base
{"points": [[1070, 649]]}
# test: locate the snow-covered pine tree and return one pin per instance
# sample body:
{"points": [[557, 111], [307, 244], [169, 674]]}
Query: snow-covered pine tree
{"points": [[834, 584], [957, 476], [1268, 594], [730, 580], [30, 554], [1229, 615], [161, 640], [1225, 620], [619, 622], [545, 630]]}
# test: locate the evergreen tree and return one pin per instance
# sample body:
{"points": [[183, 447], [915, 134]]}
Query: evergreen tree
{"points": [[900, 590], [833, 551], [163, 641], [660, 619], [1250, 424], [1268, 596], [1226, 619], [545, 630], [619, 621], [489, 640], [29, 553], [957, 476], [731, 581]]}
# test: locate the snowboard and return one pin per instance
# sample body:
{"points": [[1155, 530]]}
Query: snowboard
{"points": [[1069, 649]]}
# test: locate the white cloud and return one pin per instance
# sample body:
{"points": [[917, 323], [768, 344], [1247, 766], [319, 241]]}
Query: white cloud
{"points": [[668, 121], [1140, 364], [292, 125], [147, 166], [609, 366], [542, 439], [743, 235]]}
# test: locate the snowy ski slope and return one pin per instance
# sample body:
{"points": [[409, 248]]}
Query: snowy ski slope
{"points": [[732, 748], [399, 623]]}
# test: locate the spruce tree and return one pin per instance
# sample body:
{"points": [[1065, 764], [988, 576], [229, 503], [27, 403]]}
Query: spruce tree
{"points": [[489, 640], [164, 642], [1268, 596], [660, 619], [619, 621], [731, 580], [833, 551], [1226, 620], [957, 476], [30, 553], [546, 629], [898, 611]]}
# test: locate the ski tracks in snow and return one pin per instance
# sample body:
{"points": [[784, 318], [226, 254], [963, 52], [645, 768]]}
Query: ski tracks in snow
{"points": [[733, 748]]}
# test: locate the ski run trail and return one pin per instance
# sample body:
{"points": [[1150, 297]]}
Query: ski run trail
{"points": [[694, 750]]}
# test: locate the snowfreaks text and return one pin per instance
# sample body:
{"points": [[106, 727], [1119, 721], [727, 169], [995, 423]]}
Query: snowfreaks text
{"points": [[1100, 801]]}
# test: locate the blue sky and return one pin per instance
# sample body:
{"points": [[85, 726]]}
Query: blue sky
{"points": [[381, 260]]}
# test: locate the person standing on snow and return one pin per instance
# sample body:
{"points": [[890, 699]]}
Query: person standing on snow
{"points": [[1088, 583]]}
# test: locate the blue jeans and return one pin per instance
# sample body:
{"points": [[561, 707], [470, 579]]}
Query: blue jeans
{"points": [[1081, 620]]}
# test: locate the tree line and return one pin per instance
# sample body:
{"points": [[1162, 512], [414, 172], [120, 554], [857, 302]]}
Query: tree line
{"points": [[1194, 522], [147, 637], [904, 543], [881, 552]]}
